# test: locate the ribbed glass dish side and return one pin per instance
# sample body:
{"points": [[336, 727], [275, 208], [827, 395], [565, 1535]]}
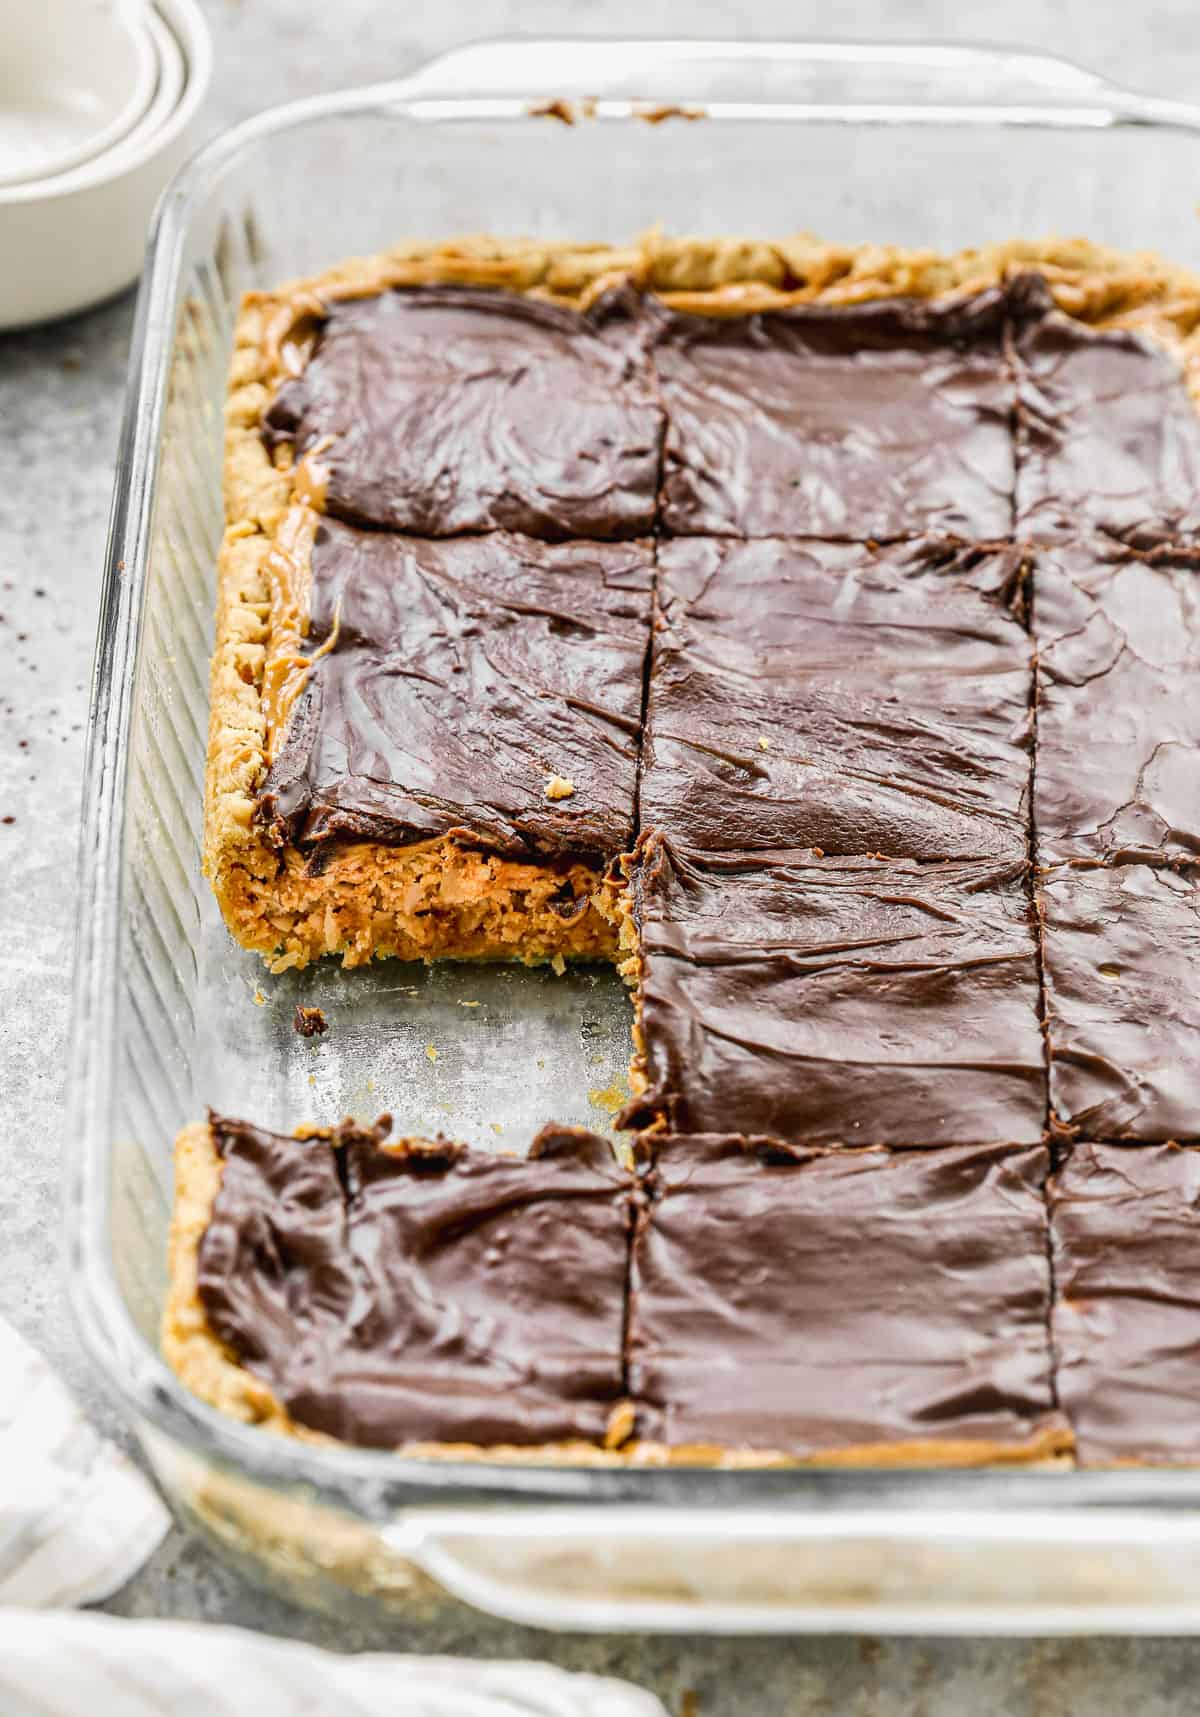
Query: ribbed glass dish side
{"points": [[166, 1014], [158, 1000]]}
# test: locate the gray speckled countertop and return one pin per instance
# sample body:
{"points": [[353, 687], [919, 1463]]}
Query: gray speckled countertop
{"points": [[60, 396]]}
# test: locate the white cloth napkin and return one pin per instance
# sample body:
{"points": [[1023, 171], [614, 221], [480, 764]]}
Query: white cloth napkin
{"points": [[77, 1519], [100, 1666]]}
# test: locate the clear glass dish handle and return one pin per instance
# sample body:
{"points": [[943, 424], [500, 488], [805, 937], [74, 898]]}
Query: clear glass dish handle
{"points": [[622, 1568], [847, 82]]}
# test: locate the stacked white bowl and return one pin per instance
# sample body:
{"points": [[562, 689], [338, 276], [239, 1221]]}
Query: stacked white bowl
{"points": [[100, 104]]}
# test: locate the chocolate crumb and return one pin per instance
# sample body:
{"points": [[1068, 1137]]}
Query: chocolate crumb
{"points": [[309, 1022]]}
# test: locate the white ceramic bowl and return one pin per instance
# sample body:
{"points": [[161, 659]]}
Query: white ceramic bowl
{"points": [[75, 77], [168, 91], [78, 238]]}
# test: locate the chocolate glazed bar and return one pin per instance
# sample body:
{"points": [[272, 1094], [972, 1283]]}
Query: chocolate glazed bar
{"points": [[395, 1294], [810, 630], [856, 423], [1125, 1225], [837, 1001], [861, 1306], [439, 410], [451, 746]]}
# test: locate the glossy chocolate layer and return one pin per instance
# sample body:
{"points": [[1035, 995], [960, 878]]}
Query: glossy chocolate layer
{"points": [[808, 694], [873, 420], [1122, 976], [422, 1293], [1126, 1228], [810, 1303], [440, 409], [464, 676], [1118, 734], [1108, 436], [839, 1001]]}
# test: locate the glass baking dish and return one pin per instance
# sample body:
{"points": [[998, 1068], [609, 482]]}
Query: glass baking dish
{"points": [[919, 145]]}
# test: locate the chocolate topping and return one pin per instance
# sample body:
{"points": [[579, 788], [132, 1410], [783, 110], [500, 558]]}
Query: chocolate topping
{"points": [[849, 1001], [463, 676], [872, 420], [1126, 1227], [856, 700], [810, 1303], [440, 409], [422, 1292], [1122, 976], [830, 889], [1108, 436], [1118, 738]]}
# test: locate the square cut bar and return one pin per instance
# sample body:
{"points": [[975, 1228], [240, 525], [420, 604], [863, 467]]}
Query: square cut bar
{"points": [[443, 409], [837, 1001], [1108, 435], [407, 1294], [1118, 725], [867, 1307], [445, 739], [1126, 1323], [875, 420], [856, 699], [448, 681], [1122, 981]]}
